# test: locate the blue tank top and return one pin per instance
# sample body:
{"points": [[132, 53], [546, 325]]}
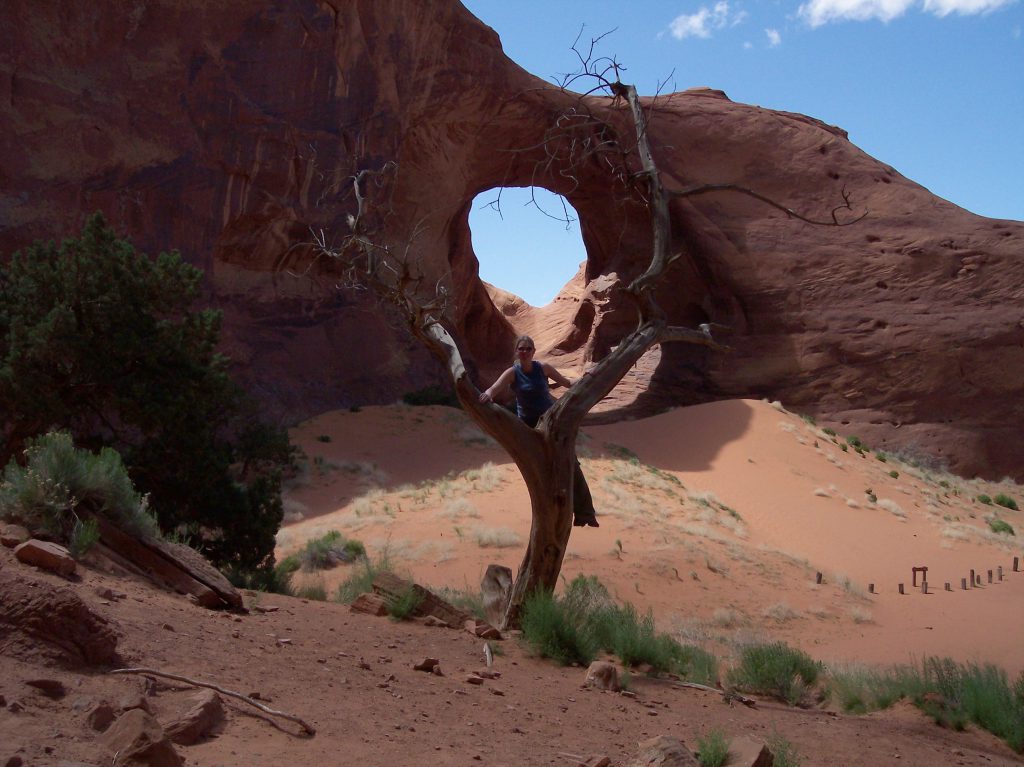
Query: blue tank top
{"points": [[532, 395]]}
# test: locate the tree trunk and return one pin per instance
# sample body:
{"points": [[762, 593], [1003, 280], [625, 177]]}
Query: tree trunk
{"points": [[551, 499]]}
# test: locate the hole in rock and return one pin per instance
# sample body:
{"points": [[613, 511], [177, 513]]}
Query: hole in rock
{"points": [[528, 242]]}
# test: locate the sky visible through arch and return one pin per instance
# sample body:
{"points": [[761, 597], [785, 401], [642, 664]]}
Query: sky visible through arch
{"points": [[934, 88]]}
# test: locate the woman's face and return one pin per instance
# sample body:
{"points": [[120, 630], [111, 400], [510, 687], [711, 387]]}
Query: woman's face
{"points": [[524, 351]]}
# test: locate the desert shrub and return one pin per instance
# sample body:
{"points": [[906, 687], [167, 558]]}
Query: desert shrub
{"points": [[315, 592], [401, 606], [894, 474], [983, 498], [431, 395], [58, 481], [102, 342], [713, 749], [1001, 526], [553, 631], [84, 535], [1002, 499], [330, 550], [360, 581], [775, 669], [784, 752]]}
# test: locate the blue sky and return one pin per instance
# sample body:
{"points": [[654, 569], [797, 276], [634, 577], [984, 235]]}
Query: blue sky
{"points": [[934, 88]]}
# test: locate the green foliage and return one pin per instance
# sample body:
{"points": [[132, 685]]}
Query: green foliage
{"points": [[360, 581], [586, 620], [84, 535], [855, 442], [464, 599], [401, 606], [775, 669], [713, 749], [329, 550], [894, 474], [1001, 526], [829, 432], [431, 395], [953, 694], [983, 498], [785, 753], [315, 592], [881, 456], [101, 341], [59, 480], [1002, 499]]}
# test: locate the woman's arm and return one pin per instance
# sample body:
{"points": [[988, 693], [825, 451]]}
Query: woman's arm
{"points": [[555, 376], [499, 387]]}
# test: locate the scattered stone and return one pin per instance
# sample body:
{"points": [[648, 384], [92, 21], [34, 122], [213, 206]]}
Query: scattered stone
{"points": [[266, 608], [663, 751], [596, 761], [370, 604], [14, 761], [427, 664], [104, 592], [137, 738], [474, 679], [482, 629], [496, 691], [167, 627], [206, 713], [745, 751], [135, 700], [51, 688], [15, 706], [46, 555], [13, 535], [100, 716], [488, 673], [436, 622], [284, 640], [602, 675]]}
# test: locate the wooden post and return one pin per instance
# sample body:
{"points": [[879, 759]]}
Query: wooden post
{"points": [[978, 583], [901, 588], [924, 587], [999, 572], [989, 576], [963, 584], [871, 588], [817, 578], [1016, 563], [972, 579], [948, 587]]}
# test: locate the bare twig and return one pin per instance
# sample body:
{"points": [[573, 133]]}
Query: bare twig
{"points": [[727, 695], [231, 693]]}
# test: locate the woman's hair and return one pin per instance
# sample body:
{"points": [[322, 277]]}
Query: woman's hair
{"points": [[521, 340]]}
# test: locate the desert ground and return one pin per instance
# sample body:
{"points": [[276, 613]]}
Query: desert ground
{"points": [[717, 518]]}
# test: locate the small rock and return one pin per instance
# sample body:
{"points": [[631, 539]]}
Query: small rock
{"points": [[663, 751], [266, 608], [206, 713], [15, 706], [488, 673], [474, 679], [596, 761], [745, 751], [137, 738], [370, 604], [433, 620], [167, 627], [436, 671], [284, 640], [13, 535], [135, 701], [427, 664], [602, 675], [496, 691], [46, 555], [14, 761], [51, 688], [100, 716]]}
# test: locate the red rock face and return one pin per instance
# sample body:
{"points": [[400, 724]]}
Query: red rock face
{"points": [[229, 131]]}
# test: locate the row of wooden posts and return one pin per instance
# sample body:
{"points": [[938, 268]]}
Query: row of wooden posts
{"points": [[972, 582]]}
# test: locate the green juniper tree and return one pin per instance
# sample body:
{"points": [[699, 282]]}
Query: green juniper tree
{"points": [[102, 341]]}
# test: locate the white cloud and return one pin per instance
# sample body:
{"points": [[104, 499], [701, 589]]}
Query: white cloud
{"points": [[963, 7], [705, 21], [818, 12], [774, 38]]}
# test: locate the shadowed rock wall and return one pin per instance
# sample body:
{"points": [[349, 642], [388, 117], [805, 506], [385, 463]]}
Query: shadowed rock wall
{"points": [[227, 130]]}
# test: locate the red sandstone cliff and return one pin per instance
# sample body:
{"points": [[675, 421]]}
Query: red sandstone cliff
{"points": [[227, 130]]}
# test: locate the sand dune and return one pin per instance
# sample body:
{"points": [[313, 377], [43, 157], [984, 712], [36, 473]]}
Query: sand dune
{"points": [[717, 517]]}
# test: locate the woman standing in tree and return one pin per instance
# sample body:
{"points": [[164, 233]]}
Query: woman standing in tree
{"points": [[528, 379]]}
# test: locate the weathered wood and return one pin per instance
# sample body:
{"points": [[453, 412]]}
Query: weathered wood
{"points": [[173, 565], [391, 586]]}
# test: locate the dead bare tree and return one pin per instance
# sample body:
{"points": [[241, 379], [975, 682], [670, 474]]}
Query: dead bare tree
{"points": [[545, 455]]}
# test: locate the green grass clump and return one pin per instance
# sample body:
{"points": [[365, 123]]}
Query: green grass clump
{"points": [[1005, 501], [401, 606], [330, 550], [713, 749], [1001, 526], [361, 579], [983, 498], [785, 753], [585, 621], [894, 474], [777, 670], [59, 480], [315, 592], [84, 535]]}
